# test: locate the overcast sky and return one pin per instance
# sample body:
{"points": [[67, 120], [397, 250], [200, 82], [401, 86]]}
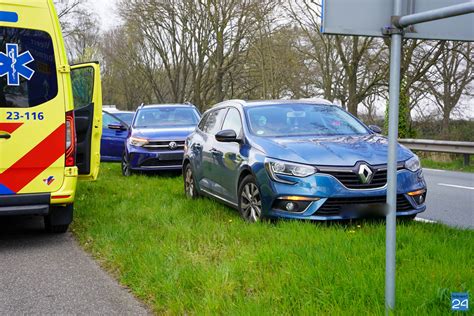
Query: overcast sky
{"points": [[106, 9]]}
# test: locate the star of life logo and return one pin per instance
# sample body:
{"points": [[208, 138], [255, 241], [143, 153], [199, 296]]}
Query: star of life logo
{"points": [[13, 65]]}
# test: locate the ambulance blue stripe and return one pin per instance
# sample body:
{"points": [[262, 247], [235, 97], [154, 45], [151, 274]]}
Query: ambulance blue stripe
{"points": [[5, 190], [6, 16]]}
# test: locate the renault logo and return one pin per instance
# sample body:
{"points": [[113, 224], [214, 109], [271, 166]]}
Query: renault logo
{"points": [[365, 174], [172, 145]]}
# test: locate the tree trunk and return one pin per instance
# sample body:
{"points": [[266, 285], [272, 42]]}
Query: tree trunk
{"points": [[352, 103], [445, 126]]}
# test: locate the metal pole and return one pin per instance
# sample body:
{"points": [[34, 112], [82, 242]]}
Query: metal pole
{"points": [[391, 220], [437, 14]]}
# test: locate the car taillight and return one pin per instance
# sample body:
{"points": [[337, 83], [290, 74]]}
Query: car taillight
{"points": [[70, 140]]}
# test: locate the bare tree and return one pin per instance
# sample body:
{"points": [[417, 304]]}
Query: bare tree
{"points": [[67, 11], [451, 78], [125, 75], [84, 38], [350, 67], [319, 49]]}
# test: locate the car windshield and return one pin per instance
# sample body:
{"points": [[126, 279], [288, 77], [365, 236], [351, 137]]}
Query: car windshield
{"points": [[166, 116], [302, 120], [124, 116]]}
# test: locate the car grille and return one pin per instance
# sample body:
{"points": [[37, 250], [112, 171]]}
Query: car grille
{"points": [[350, 179], [164, 145], [333, 206]]}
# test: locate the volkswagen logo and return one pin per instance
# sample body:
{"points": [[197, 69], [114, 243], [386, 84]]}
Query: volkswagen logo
{"points": [[172, 145], [365, 174]]}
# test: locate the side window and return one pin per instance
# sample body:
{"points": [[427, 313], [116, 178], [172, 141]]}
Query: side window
{"points": [[202, 123], [82, 86], [232, 121], [108, 119], [214, 121]]}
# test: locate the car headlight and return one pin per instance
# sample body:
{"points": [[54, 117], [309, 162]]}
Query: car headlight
{"points": [[137, 141], [278, 167], [413, 164]]}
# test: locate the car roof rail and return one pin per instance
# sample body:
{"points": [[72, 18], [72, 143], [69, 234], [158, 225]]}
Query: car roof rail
{"points": [[188, 103]]}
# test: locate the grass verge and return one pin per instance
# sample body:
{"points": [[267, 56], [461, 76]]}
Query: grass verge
{"points": [[199, 257], [455, 165]]}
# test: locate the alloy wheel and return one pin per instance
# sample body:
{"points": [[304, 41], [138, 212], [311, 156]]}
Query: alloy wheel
{"points": [[251, 203], [125, 166], [189, 183]]}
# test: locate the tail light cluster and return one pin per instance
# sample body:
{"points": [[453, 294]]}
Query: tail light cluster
{"points": [[70, 140]]}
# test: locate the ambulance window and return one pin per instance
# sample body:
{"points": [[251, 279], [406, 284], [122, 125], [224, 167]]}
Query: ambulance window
{"points": [[82, 86], [27, 68]]}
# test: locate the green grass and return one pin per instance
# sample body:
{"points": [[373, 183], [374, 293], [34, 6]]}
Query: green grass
{"points": [[199, 257], [455, 165]]}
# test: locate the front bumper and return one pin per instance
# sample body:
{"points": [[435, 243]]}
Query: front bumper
{"points": [[141, 159], [328, 199]]}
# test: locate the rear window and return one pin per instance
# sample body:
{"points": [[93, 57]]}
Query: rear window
{"points": [[27, 68]]}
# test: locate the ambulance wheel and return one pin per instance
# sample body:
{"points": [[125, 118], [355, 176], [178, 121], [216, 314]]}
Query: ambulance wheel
{"points": [[58, 219]]}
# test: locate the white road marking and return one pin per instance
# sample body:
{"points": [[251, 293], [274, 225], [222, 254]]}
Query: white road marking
{"points": [[436, 170], [424, 220], [456, 186]]}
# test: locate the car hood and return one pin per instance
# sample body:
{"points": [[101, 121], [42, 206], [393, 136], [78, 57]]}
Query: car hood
{"points": [[331, 151], [168, 133]]}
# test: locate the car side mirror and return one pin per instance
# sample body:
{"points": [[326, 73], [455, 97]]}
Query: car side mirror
{"points": [[375, 129], [227, 136], [119, 127]]}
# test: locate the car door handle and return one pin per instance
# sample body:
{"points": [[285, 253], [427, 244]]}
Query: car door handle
{"points": [[5, 136], [216, 152]]}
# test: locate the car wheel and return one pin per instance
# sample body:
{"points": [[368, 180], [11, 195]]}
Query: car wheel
{"points": [[58, 219], [126, 171], [250, 202], [405, 218], [189, 184]]}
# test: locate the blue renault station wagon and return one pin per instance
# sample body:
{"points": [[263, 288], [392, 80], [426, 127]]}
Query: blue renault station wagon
{"points": [[296, 159], [156, 137]]}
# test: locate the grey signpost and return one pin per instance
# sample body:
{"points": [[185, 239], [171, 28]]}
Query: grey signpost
{"points": [[390, 18]]}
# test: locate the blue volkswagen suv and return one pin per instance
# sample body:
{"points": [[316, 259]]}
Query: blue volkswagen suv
{"points": [[296, 159], [156, 137]]}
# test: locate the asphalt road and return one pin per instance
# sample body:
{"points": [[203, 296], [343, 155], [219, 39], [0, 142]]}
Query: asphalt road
{"points": [[450, 198], [42, 274]]}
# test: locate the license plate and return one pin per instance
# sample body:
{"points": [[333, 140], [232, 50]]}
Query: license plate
{"points": [[167, 157]]}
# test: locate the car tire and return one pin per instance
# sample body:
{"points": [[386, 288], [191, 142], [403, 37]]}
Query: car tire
{"points": [[405, 218], [250, 202], [58, 219], [126, 171], [189, 183]]}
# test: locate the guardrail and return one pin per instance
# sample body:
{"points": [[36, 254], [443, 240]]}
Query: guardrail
{"points": [[443, 146]]}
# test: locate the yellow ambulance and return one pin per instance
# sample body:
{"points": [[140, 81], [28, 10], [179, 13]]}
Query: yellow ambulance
{"points": [[50, 116]]}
